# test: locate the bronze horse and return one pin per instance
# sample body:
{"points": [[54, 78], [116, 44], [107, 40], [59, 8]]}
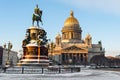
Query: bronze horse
{"points": [[37, 16]]}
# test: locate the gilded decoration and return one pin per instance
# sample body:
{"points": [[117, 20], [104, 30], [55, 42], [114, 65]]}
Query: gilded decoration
{"points": [[71, 20]]}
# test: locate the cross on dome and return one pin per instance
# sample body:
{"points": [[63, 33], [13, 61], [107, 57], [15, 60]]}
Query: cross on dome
{"points": [[71, 14]]}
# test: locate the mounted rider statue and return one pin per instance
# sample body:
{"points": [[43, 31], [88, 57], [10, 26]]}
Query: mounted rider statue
{"points": [[37, 16]]}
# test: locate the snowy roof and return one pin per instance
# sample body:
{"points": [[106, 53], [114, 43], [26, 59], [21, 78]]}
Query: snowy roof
{"points": [[33, 27], [96, 46], [32, 44]]}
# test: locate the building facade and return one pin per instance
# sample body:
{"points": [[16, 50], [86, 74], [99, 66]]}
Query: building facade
{"points": [[13, 58], [1, 54], [70, 48]]}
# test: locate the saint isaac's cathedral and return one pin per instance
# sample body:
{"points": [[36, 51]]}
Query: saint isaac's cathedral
{"points": [[70, 48]]}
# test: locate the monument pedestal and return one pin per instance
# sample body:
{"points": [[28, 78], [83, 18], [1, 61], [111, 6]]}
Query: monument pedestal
{"points": [[34, 56], [35, 52]]}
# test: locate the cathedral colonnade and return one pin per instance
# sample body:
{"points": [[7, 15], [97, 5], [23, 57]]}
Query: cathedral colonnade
{"points": [[74, 58]]}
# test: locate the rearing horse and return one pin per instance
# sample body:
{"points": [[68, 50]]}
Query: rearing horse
{"points": [[37, 16]]}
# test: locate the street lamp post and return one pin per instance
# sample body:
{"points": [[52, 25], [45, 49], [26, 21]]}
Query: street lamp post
{"points": [[8, 49]]}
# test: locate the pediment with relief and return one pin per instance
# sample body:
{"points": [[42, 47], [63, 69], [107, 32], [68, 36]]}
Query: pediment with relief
{"points": [[73, 48]]}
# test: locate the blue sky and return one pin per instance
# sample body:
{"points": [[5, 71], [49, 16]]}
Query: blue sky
{"points": [[100, 18]]}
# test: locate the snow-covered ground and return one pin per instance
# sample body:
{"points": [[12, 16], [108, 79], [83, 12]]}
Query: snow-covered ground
{"points": [[85, 74]]}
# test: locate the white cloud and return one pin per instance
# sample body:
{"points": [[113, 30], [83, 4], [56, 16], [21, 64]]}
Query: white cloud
{"points": [[107, 6]]}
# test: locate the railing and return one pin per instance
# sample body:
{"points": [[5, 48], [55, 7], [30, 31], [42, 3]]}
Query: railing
{"points": [[49, 70]]}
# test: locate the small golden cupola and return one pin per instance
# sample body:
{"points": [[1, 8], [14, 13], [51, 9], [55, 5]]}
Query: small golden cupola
{"points": [[71, 29], [88, 40], [58, 39]]}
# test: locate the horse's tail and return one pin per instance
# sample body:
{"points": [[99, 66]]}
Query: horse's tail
{"points": [[33, 17]]}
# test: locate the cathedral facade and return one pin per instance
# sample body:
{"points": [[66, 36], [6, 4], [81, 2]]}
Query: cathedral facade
{"points": [[70, 48]]}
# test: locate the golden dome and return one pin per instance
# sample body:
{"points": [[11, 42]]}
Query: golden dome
{"points": [[71, 29], [71, 19]]}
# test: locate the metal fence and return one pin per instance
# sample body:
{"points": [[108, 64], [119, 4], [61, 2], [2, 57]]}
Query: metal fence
{"points": [[41, 70]]}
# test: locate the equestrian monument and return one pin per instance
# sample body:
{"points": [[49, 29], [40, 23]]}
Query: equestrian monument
{"points": [[35, 51]]}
